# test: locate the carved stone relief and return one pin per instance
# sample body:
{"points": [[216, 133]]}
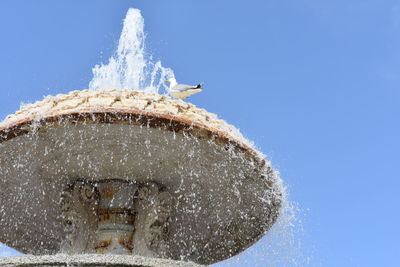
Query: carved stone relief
{"points": [[78, 206]]}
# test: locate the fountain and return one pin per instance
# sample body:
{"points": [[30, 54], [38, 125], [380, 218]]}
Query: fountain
{"points": [[129, 178]]}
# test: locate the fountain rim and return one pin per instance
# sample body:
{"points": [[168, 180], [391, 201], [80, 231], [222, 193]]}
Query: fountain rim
{"points": [[32, 124], [132, 116]]}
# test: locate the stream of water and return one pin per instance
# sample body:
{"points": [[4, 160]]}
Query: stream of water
{"points": [[131, 67]]}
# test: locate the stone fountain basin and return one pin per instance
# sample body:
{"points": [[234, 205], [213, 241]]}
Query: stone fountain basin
{"points": [[226, 196]]}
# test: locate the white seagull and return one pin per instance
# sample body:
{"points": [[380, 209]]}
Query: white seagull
{"points": [[182, 91]]}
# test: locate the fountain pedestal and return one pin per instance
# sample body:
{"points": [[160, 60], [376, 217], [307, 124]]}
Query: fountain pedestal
{"points": [[99, 216]]}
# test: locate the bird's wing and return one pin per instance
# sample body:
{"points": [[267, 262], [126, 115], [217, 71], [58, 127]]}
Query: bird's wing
{"points": [[184, 94], [182, 87]]}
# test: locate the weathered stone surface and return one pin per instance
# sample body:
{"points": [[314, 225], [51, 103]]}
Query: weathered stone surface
{"points": [[225, 195], [77, 100], [93, 260]]}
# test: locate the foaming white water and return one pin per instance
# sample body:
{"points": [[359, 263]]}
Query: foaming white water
{"points": [[131, 67]]}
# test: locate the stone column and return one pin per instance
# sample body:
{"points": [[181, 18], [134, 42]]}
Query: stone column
{"points": [[116, 216]]}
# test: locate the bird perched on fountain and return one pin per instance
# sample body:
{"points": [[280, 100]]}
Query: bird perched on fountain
{"points": [[182, 91]]}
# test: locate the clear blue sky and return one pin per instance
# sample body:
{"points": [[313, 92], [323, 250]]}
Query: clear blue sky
{"points": [[315, 83]]}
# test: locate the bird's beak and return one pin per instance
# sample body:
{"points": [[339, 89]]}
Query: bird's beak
{"points": [[167, 81]]}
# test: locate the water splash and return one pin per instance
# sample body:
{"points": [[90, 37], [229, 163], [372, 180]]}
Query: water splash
{"points": [[281, 246], [131, 67]]}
